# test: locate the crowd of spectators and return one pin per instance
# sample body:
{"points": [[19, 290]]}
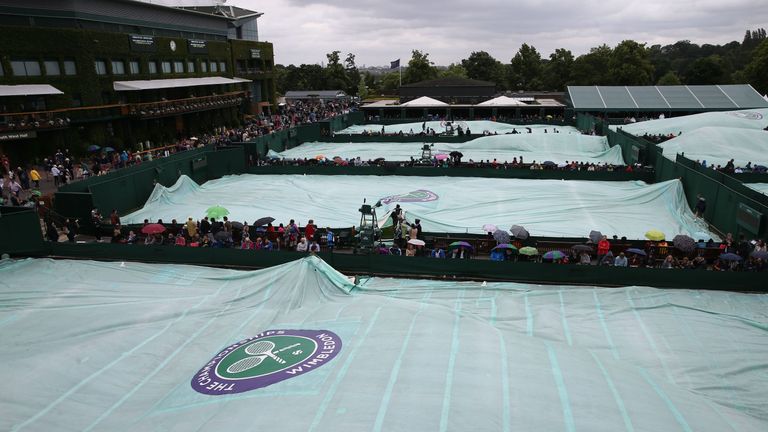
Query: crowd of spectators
{"points": [[25, 122]]}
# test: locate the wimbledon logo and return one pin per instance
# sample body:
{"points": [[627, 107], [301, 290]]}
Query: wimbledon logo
{"points": [[421, 195], [265, 359], [747, 115]]}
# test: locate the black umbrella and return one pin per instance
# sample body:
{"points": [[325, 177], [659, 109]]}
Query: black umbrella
{"points": [[684, 243], [237, 225], [595, 236], [549, 163], [519, 232], [222, 236], [582, 248], [263, 221], [730, 257], [501, 237]]}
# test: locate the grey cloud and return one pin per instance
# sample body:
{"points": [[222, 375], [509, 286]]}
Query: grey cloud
{"points": [[377, 32]]}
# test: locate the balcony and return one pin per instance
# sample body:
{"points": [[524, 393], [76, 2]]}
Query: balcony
{"points": [[166, 108]]}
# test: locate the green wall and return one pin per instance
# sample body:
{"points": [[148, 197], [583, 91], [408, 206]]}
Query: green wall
{"points": [[20, 232]]}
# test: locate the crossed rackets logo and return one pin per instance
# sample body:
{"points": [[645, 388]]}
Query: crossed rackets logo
{"points": [[258, 352]]}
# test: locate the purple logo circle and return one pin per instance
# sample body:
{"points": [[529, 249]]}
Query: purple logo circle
{"points": [[420, 195], [265, 359]]}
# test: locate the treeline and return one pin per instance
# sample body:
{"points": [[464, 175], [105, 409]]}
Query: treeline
{"points": [[628, 63]]}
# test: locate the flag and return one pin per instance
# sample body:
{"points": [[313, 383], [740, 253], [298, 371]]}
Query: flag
{"points": [[394, 64]]}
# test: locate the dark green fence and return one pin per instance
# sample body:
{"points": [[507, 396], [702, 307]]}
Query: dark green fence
{"points": [[20, 232], [385, 265], [396, 169]]}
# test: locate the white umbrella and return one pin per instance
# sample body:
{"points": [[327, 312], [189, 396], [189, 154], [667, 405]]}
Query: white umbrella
{"points": [[490, 228], [416, 242]]}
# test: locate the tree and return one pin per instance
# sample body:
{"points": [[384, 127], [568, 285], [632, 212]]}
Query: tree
{"points": [[755, 71], [525, 70], [630, 64], [389, 83], [669, 78], [454, 71], [352, 73], [557, 71], [592, 68], [482, 66], [708, 71], [336, 77], [420, 68], [370, 82], [362, 89]]}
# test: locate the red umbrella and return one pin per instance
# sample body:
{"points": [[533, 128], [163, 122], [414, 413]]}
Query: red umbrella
{"points": [[153, 229]]}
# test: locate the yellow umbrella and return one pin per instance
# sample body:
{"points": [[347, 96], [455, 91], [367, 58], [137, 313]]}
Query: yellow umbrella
{"points": [[654, 235]]}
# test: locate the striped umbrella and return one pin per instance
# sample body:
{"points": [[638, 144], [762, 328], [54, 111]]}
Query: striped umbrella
{"points": [[460, 244], [553, 255]]}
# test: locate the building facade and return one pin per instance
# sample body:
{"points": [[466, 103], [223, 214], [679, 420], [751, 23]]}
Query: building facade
{"points": [[125, 72]]}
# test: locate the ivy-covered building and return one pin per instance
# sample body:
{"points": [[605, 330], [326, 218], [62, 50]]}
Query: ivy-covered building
{"points": [[120, 73]]}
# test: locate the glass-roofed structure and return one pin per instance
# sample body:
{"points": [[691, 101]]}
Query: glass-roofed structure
{"points": [[661, 99]]}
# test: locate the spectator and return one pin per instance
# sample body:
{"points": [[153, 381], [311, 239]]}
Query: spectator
{"points": [[620, 261]]}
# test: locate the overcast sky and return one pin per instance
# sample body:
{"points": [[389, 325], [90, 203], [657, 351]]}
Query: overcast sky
{"points": [[378, 31]]}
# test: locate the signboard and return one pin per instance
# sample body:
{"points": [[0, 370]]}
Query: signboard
{"points": [[143, 43], [197, 46], [9, 136], [255, 53], [748, 218]]}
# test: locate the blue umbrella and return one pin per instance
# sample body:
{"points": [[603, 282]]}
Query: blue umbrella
{"points": [[730, 257], [93, 148], [554, 255], [759, 254], [109, 149], [636, 251]]}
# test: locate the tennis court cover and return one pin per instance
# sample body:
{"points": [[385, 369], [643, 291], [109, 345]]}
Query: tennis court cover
{"points": [[298, 347]]}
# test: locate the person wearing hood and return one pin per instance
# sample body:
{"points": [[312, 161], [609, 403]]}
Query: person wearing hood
{"points": [[302, 246]]}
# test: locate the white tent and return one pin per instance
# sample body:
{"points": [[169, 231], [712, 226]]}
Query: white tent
{"points": [[425, 102], [28, 90], [503, 101], [174, 83]]}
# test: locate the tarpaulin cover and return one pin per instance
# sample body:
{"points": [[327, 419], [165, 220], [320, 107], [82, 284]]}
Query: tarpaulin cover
{"points": [[90, 346], [718, 145], [444, 204], [747, 119], [557, 148], [475, 126], [760, 187]]}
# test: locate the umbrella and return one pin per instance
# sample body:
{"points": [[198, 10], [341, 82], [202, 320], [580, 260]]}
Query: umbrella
{"points": [[36, 193], [549, 163], [501, 236], [730, 257], [530, 251], [153, 229], [490, 228], [109, 149], [684, 243], [93, 148], [553, 255], [759, 254], [595, 236], [460, 244], [654, 235], [193, 138], [505, 246], [222, 236], [582, 248], [416, 242], [237, 225], [636, 251], [216, 212], [519, 232], [263, 221], [441, 156]]}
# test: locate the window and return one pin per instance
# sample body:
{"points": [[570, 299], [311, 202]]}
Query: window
{"points": [[166, 67], [203, 67], [2, 72], [152, 67], [222, 66], [191, 67], [214, 68], [69, 67], [133, 67], [25, 67], [52, 67], [178, 67], [101, 67], [118, 67]]}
